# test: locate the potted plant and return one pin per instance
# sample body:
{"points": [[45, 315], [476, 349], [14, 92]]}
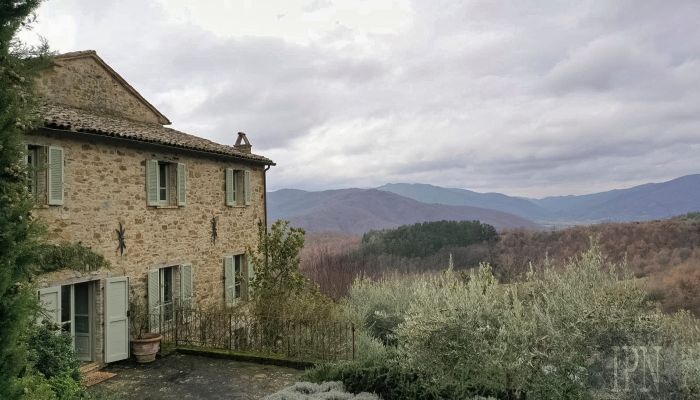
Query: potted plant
{"points": [[144, 344]]}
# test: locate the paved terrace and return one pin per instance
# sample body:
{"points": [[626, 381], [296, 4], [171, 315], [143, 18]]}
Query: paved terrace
{"points": [[181, 376]]}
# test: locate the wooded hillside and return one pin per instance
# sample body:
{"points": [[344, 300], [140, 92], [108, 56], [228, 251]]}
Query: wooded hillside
{"points": [[665, 252]]}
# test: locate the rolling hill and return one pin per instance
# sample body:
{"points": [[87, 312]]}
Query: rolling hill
{"points": [[360, 210], [639, 203], [462, 197]]}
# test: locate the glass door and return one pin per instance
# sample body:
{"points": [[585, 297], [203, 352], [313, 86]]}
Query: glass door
{"points": [[77, 317], [82, 317]]}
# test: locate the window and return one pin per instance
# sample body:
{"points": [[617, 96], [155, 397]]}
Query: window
{"points": [[169, 288], [166, 292], [238, 191], [45, 174], [236, 278], [163, 182], [166, 183]]}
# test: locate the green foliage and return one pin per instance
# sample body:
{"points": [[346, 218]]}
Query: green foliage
{"points": [[52, 352], [427, 238], [279, 290], [692, 216], [380, 306], [276, 261], [51, 355], [75, 256], [553, 336], [18, 234], [35, 386], [388, 379], [325, 390]]}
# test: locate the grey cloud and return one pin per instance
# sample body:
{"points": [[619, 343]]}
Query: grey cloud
{"points": [[526, 97]]}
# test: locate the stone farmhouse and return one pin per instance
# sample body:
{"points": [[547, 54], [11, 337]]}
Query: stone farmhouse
{"points": [[173, 213]]}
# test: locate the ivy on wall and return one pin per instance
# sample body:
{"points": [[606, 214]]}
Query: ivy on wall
{"points": [[75, 256]]}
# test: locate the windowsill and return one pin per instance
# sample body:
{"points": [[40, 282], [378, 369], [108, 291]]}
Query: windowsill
{"points": [[166, 207], [239, 206]]}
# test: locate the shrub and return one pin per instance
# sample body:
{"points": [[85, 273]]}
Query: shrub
{"points": [[325, 390], [557, 335], [387, 378], [51, 355]]}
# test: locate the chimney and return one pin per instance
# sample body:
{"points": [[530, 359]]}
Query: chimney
{"points": [[242, 143]]}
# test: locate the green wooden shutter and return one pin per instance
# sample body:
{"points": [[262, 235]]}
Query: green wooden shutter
{"points": [[55, 183], [186, 286], [116, 319], [230, 188], [50, 300], [246, 186], [229, 281], [181, 184], [152, 182], [154, 300]]}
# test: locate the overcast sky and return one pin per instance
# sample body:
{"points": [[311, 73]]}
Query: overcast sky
{"points": [[529, 98]]}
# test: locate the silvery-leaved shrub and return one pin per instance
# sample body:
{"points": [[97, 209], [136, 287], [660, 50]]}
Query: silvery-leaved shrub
{"points": [[585, 330]]}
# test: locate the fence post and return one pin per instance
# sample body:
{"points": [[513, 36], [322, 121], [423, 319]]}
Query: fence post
{"points": [[230, 332], [288, 334], [177, 323]]}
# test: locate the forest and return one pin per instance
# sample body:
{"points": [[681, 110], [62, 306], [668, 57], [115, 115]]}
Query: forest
{"points": [[664, 253]]}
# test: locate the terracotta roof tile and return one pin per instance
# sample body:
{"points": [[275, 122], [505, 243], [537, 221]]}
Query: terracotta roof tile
{"points": [[78, 120]]}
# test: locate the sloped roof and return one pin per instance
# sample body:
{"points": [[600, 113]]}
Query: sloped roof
{"points": [[56, 116], [93, 54], [72, 119]]}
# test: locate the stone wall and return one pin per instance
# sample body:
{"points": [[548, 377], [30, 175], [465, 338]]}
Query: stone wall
{"points": [[105, 185], [84, 83]]}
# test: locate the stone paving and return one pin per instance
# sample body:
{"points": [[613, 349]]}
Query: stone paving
{"points": [[180, 376]]}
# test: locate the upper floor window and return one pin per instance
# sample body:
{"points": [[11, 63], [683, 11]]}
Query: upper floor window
{"points": [[166, 183], [45, 173], [238, 192], [163, 186]]}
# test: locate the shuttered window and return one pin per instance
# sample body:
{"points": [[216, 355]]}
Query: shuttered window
{"points": [[186, 286], [237, 187], [231, 181], [234, 275], [36, 159], [55, 176], [181, 184], [50, 301], [166, 183], [154, 300], [246, 186]]}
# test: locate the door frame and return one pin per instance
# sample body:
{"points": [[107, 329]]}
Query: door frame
{"points": [[92, 314]]}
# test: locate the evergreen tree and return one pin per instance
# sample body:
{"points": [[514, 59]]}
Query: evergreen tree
{"points": [[18, 233]]}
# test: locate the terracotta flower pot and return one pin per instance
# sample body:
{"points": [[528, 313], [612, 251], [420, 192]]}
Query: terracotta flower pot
{"points": [[146, 347]]}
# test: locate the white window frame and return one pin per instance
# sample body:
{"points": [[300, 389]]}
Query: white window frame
{"points": [[164, 185], [238, 261], [167, 316]]}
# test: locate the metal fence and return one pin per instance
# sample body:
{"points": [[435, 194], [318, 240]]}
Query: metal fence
{"points": [[288, 338]]}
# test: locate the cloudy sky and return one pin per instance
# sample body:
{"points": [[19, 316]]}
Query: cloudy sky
{"points": [[525, 97]]}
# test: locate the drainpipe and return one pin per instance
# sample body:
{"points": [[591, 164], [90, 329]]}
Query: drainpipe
{"points": [[267, 167]]}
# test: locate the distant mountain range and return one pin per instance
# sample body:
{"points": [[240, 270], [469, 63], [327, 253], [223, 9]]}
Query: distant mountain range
{"points": [[639, 203], [391, 205], [360, 210]]}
